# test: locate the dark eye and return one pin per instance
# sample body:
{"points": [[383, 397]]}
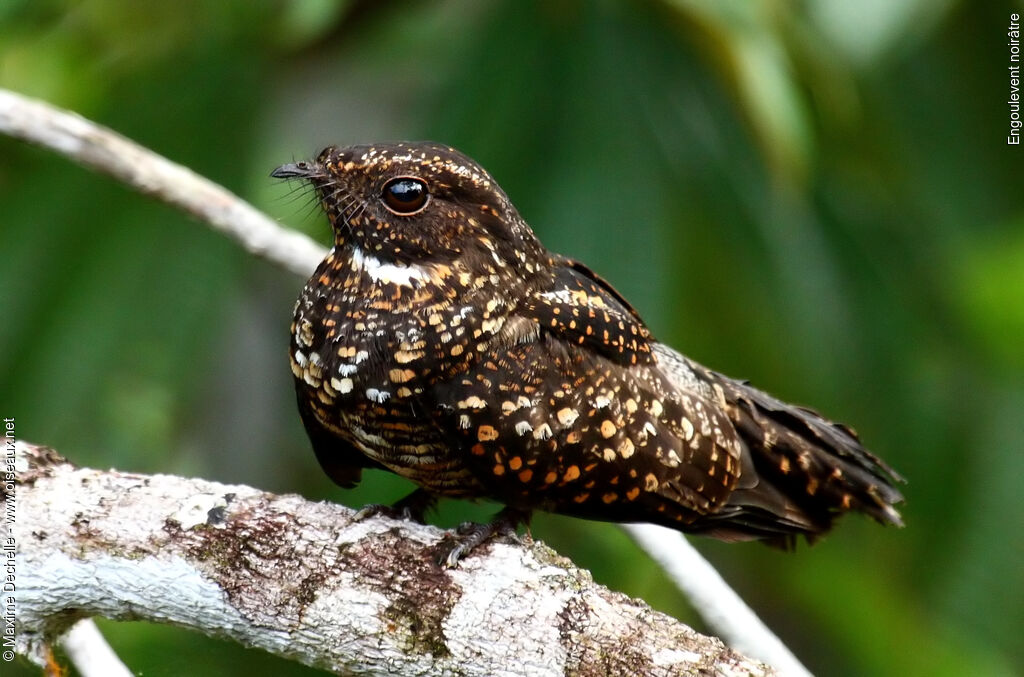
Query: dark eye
{"points": [[405, 195]]}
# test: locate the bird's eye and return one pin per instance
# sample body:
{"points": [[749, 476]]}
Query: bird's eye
{"points": [[405, 195]]}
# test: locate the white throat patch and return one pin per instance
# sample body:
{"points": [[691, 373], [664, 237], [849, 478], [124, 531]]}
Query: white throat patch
{"points": [[392, 273]]}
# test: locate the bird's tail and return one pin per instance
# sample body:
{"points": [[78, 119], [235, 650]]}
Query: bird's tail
{"points": [[800, 470]]}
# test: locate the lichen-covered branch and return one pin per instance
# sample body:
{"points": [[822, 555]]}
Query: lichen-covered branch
{"points": [[305, 581]]}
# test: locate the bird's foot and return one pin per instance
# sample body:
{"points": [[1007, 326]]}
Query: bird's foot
{"points": [[413, 508], [469, 535]]}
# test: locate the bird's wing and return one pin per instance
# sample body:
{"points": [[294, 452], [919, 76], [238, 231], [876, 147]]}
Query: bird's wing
{"points": [[798, 470], [341, 461], [566, 410], [583, 309]]}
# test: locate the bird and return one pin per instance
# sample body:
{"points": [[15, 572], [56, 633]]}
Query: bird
{"points": [[441, 341]]}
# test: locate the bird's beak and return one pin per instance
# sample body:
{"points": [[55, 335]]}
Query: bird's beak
{"points": [[293, 170]]}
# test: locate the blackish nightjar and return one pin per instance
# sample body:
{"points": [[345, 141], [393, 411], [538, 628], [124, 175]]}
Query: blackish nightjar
{"points": [[440, 340]]}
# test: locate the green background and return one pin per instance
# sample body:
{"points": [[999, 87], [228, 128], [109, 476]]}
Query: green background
{"points": [[817, 196]]}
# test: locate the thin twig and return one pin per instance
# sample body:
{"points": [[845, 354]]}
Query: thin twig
{"points": [[718, 604], [90, 653], [108, 152]]}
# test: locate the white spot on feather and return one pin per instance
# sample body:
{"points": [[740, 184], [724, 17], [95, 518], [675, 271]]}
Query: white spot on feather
{"points": [[563, 296], [472, 402], [343, 386], [378, 396], [687, 428]]}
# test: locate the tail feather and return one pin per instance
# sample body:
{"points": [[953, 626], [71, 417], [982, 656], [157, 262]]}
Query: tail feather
{"points": [[801, 471]]}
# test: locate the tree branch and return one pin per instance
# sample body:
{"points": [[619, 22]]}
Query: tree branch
{"points": [[304, 581], [106, 151], [719, 605], [90, 653]]}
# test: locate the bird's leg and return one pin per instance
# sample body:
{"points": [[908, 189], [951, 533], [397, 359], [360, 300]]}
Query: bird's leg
{"points": [[413, 507], [471, 534]]}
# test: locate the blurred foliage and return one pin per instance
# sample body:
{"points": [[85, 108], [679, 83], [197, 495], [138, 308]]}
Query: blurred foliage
{"points": [[816, 195]]}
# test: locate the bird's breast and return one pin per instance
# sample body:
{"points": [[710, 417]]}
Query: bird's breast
{"points": [[372, 340]]}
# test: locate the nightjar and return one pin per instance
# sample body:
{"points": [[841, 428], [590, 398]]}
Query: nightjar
{"points": [[440, 340]]}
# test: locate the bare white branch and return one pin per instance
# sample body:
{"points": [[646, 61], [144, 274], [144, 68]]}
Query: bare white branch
{"points": [[304, 581], [90, 653], [104, 150], [720, 606]]}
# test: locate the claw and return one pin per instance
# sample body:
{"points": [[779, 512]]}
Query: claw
{"points": [[471, 535], [412, 508], [373, 510]]}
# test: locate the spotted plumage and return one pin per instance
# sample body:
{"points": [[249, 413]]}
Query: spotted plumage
{"points": [[441, 341]]}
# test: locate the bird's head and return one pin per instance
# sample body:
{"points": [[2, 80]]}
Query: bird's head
{"points": [[416, 203]]}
